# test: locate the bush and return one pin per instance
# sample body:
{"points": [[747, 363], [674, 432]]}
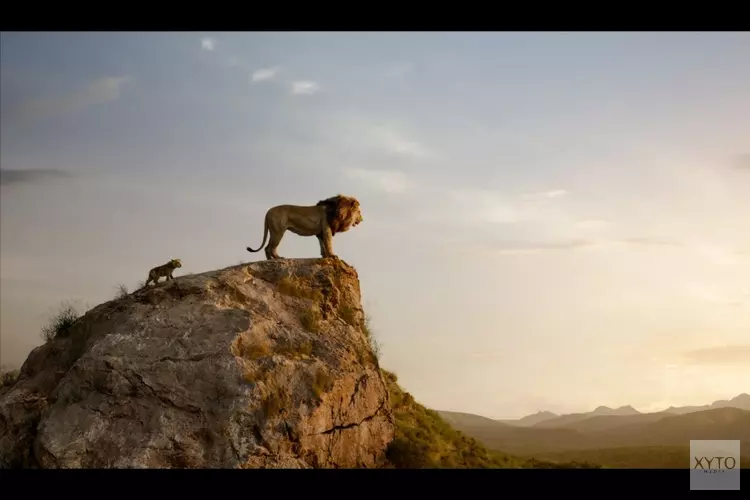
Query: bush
{"points": [[8, 377], [59, 325], [122, 291], [370, 334]]}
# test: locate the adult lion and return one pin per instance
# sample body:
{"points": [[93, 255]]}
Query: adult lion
{"points": [[323, 220]]}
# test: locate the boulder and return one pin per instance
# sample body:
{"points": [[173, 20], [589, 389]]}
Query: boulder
{"points": [[261, 365]]}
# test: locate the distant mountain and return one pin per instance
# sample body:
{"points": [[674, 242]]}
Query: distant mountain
{"points": [[621, 411], [530, 420], [601, 411], [548, 419], [470, 421], [619, 437], [633, 430], [742, 401]]}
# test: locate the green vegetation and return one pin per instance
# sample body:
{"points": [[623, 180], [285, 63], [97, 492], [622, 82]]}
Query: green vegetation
{"points": [[323, 382], [59, 325], [634, 457], [424, 440], [273, 402], [122, 292], [311, 318], [8, 377], [574, 464], [370, 334], [295, 287]]}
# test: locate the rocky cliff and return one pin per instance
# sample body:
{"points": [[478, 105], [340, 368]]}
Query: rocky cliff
{"points": [[259, 365]]}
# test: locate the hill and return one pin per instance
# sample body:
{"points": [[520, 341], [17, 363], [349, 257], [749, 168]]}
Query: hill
{"points": [[425, 440], [265, 365], [634, 457], [742, 401], [642, 434], [601, 411], [573, 420], [530, 420]]}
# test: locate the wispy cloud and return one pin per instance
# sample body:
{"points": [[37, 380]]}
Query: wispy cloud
{"points": [[714, 295], [528, 248], [717, 254], [551, 194], [305, 87], [390, 181], [262, 74], [31, 176], [397, 143], [490, 207], [720, 355], [99, 91], [208, 43], [567, 244], [649, 241]]}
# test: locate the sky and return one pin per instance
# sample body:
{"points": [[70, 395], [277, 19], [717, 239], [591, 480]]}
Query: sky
{"points": [[552, 221]]}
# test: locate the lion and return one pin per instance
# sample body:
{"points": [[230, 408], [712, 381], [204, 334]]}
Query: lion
{"points": [[323, 220], [164, 270]]}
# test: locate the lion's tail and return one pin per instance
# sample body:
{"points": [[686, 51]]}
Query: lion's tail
{"points": [[265, 236]]}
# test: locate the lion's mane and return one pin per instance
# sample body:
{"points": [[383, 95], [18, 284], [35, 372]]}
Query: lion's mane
{"points": [[341, 212]]}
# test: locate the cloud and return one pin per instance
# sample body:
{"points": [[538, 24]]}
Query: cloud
{"points": [[304, 87], [396, 143], [390, 181], [649, 241], [99, 91], [485, 206], [555, 193], [561, 244], [208, 43], [717, 254], [262, 74], [374, 139], [712, 295], [31, 176], [720, 355], [527, 248]]}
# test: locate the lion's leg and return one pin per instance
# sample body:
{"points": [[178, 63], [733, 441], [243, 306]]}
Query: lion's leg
{"points": [[327, 240], [323, 252], [273, 244]]}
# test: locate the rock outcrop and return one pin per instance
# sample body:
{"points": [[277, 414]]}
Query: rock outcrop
{"points": [[262, 365]]}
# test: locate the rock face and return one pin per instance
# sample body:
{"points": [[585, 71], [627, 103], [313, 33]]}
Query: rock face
{"points": [[263, 365]]}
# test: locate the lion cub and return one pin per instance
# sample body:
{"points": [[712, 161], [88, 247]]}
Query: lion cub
{"points": [[164, 270]]}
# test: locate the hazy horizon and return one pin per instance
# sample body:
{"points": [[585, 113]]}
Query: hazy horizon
{"points": [[553, 221]]}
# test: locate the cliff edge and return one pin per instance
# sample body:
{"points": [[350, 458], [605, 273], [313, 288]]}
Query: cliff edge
{"points": [[260, 365]]}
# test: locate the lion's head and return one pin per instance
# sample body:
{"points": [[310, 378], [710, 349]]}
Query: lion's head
{"points": [[343, 212], [175, 263]]}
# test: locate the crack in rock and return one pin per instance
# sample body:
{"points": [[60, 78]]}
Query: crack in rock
{"points": [[353, 424]]}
